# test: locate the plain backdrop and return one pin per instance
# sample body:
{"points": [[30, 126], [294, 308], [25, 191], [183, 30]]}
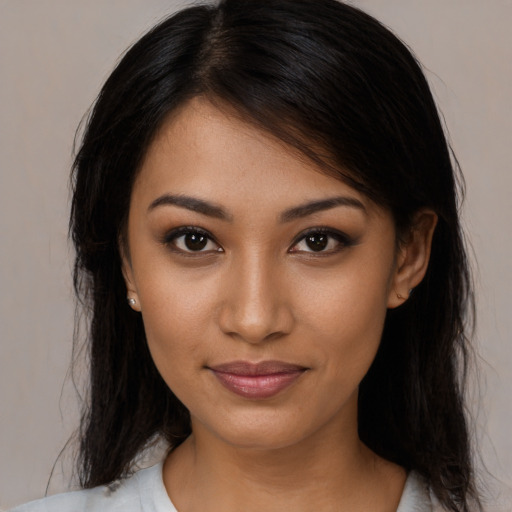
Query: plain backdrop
{"points": [[54, 56]]}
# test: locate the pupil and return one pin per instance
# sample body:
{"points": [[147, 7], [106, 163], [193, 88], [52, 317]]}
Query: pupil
{"points": [[195, 242], [317, 242]]}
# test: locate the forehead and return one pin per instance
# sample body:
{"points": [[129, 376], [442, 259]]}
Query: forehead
{"points": [[214, 152]]}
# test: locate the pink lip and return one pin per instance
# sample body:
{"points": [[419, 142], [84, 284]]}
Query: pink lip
{"points": [[257, 381]]}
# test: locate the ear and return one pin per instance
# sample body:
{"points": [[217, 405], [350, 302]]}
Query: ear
{"points": [[126, 267], [412, 257]]}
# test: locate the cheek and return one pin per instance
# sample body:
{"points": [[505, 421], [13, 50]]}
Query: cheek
{"points": [[177, 316], [352, 337], [345, 313]]}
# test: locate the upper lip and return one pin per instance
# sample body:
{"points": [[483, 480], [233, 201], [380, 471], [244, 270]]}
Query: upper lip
{"points": [[247, 368]]}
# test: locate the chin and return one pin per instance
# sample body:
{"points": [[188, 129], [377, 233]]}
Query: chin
{"points": [[258, 429]]}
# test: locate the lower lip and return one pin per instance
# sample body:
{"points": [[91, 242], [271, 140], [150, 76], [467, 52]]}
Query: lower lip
{"points": [[257, 386]]}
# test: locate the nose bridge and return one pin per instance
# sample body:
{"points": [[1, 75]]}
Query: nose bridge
{"points": [[255, 309]]}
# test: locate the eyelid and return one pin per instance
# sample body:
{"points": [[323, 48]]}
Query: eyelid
{"points": [[175, 233], [178, 232], [343, 239]]}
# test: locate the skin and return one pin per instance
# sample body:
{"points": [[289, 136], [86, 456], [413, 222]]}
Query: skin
{"points": [[257, 292]]}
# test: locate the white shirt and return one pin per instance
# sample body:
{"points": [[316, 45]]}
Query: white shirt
{"points": [[145, 492]]}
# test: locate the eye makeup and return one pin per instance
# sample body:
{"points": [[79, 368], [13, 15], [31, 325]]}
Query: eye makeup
{"points": [[321, 241], [315, 241], [191, 241]]}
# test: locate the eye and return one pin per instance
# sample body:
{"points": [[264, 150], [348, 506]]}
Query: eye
{"points": [[321, 241], [191, 240]]}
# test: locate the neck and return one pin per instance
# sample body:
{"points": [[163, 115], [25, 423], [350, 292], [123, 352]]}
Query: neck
{"points": [[331, 470]]}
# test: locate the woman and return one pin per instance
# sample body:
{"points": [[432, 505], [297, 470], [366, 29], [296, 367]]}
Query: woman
{"points": [[265, 219]]}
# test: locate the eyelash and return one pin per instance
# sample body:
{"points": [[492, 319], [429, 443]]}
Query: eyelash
{"points": [[171, 238], [342, 240]]}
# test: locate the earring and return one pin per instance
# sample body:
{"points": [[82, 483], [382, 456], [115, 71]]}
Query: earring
{"points": [[131, 301], [401, 297]]}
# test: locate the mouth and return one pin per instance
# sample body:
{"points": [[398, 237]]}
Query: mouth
{"points": [[257, 381]]}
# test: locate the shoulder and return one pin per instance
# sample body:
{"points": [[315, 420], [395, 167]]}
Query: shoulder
{"points": [[417, 496], [99, 498], [142, 491]]}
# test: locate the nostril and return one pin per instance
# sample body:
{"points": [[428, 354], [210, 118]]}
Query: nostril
{"points": [[254, 308], [268, 325]]}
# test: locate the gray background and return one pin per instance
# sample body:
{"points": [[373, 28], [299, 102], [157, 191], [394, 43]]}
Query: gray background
{"points": [[54, 55]]}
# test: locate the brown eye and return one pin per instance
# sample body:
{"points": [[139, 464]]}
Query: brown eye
{"points": [[191, 240], [195, 241], [322, 241], [317, 242]]}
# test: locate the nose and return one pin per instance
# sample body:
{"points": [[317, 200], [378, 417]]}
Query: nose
{"points": [[255, 308]]}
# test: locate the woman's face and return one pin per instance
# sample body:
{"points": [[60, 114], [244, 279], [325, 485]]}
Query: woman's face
{"points": [[263, 283]]}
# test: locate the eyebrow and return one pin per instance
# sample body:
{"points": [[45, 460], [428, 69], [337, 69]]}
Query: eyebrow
{"points": [[212, 210], [312, 207], [191, 203]]}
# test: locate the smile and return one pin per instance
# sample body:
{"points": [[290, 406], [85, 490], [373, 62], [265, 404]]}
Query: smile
{"points": [[257, 381]]}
